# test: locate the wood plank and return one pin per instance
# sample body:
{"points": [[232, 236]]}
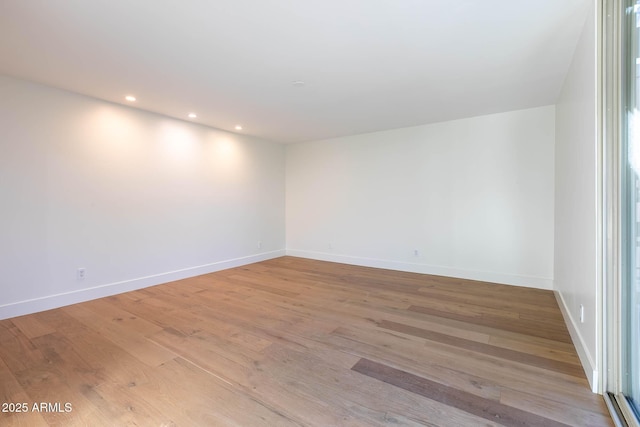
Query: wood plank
{"points": [[31, 327], [491, 350], [338, 387], [559, 412], [506, 375], [133, 342], [208, 401], [17, 351], [485, 408], [536, 348], [12, 392], [557, 332]]}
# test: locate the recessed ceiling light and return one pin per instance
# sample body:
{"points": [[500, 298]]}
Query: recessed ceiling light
{"points": [[238, 127], [297, 83], [130, 98], [192, 115]]}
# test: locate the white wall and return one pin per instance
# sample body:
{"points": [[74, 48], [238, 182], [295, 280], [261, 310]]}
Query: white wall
{"points": [[135, 198], [473, 196], [576, 216]]}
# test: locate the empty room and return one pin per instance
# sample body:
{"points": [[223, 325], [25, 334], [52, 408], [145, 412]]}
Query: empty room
{"points": [[319, 213]]}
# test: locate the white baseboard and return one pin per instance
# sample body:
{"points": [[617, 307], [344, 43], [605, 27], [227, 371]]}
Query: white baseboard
{"points": [[483, 276], [59, 300], [588, 364]]}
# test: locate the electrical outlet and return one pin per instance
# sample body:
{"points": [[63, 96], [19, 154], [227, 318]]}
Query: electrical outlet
{"points": [[81, 273], [259, 244], [581, 313], [416, 252]]}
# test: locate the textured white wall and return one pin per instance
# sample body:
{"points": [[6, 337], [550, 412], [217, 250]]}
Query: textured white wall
{"points": [[135, 198], [576, 239], [474, 197]]}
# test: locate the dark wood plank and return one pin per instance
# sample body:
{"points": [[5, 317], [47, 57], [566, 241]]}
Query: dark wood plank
{"points": [[485, 408]]}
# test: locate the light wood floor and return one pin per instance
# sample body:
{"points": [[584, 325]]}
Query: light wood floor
{"points": [[299, 342]]}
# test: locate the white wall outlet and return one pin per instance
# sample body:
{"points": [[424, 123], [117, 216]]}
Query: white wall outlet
{"points": [[416, 252], [259, 244], [581, 313], [81, 273]]}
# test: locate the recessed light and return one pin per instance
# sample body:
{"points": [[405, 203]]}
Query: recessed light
{"points": [[298, 83], [192, 115], [238, 127], [130, 98]]}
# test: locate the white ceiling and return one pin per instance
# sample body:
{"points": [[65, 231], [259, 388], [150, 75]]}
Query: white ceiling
{"points": [[367, 65]]}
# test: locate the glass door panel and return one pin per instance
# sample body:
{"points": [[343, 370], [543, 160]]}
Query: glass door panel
{"points": [[631, 212]]}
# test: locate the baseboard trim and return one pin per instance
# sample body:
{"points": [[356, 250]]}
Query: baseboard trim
{"points": [[507, 279], [67, 298], [586, 360]]}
